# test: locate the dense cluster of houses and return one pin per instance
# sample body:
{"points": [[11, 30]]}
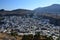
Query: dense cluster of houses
{"points": [[29, 25]]}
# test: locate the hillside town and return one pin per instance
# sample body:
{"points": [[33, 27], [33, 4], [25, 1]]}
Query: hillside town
{"points": [[28, 25]]}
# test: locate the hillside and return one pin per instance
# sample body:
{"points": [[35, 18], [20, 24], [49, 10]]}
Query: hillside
{"points": [[17, 12], [51, 11]]}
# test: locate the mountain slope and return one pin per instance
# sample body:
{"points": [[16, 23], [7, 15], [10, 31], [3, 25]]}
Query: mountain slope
{"points": [[51, 11], [15, 12], [55, 8]]}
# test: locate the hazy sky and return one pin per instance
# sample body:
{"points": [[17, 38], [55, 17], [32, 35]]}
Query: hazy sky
{"points": [[26, 4]]}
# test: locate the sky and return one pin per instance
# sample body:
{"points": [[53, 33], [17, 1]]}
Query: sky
{"points": [[26, 4]]}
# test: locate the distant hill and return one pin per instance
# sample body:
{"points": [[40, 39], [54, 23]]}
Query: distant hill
{"points": [[15, 12], [51, 11], [55, 8]]}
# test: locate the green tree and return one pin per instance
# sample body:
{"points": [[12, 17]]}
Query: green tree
{"points": [[49, 38], [13, 33], [37, 36], [27, 37], [58, 38]]}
